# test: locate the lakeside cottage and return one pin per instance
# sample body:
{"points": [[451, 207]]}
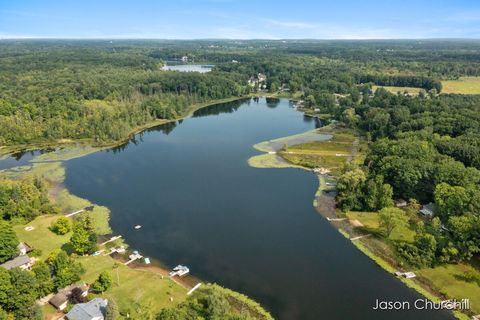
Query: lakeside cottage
{"points": [[427, 210], [60, 300], [23, 262], [92, 310]]}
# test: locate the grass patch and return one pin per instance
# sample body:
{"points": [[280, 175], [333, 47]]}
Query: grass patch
{"points": [[464, 85], [371, 224], [448, 280], [41, 237], [133, 288], [329, 154]]}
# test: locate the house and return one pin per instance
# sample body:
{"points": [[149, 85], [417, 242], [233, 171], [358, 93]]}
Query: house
{"points": [[92, 310], [23, 262], [427, 210], [24, 248], [185, 59], [59, 301], [400, 203]]}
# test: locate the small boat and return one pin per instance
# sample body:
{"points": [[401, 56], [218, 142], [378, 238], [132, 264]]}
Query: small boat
{"points": [[137, 226], [180, 271]]}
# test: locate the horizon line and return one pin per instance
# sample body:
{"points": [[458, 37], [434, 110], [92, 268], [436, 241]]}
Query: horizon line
{"points": [[229, 39]]}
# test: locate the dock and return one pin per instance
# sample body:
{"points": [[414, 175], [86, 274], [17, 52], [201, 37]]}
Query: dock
{"points": [[336, 219], [360, 237], [110, 240], [133, 257], [89, 208], [74, 213], [194, 288]]}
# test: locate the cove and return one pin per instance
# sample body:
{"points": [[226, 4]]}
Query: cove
{"points": [[252, 230]]}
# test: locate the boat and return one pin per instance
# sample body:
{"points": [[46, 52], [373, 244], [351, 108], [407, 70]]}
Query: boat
{"points": [[137, 226], [183, 272], [180, 271]]}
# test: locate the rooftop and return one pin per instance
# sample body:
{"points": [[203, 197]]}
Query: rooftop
{"points": [[94, 309], [16, 262]]}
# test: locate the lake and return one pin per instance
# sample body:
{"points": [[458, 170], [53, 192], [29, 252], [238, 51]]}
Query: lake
{"points": [[252, 230], [202, 68]]}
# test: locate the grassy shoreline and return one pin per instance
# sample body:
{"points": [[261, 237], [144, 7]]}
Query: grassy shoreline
{"points": [[325, 206]]}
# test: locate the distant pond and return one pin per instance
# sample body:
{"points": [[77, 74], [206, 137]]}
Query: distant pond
{"points": [[202, 68]]}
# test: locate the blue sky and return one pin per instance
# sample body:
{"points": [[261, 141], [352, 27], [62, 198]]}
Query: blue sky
{"points": [[240, 19]]}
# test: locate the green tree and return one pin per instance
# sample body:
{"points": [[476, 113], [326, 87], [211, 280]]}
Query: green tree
{"points": [[22, 296], [349, 187], [451, 200], [4, 315], [103, 283], [391, 218], [61, 226], [8, 242], [84, 239], [427, 245], [5, 286], [65, 270], [43, 278]]}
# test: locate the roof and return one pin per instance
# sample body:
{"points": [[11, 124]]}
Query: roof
{"points": [[428, 209], [24, 246], [16, 262], [58, 300], [94, 309]]}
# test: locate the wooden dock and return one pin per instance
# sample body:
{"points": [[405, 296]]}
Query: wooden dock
{"points": [[135, 257], [194, 288]]}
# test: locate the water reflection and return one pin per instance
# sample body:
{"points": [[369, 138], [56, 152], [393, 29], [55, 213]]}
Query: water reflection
{"points": [[220, 108], [272, 102]]}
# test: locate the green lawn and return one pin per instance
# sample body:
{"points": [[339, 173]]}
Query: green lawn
{"points": [[371, 223], [448, 280], [41, 237], [464, 85], [136, 288]]}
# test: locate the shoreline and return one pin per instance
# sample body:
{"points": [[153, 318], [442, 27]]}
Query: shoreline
{"points": [[50, 165], [324, 204], [7, 150]]}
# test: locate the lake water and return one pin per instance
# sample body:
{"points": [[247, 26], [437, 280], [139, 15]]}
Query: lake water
{"points": [[202, 68], [252, 230]]}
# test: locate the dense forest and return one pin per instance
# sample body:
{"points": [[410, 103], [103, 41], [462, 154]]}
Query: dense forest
{"points": [[102, 90]]}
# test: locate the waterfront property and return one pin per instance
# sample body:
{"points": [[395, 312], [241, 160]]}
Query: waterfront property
{"points": [[91, 310], [23, 262]]}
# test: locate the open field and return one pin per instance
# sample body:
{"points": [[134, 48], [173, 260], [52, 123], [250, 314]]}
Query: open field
{"points": [[464, 85]]}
